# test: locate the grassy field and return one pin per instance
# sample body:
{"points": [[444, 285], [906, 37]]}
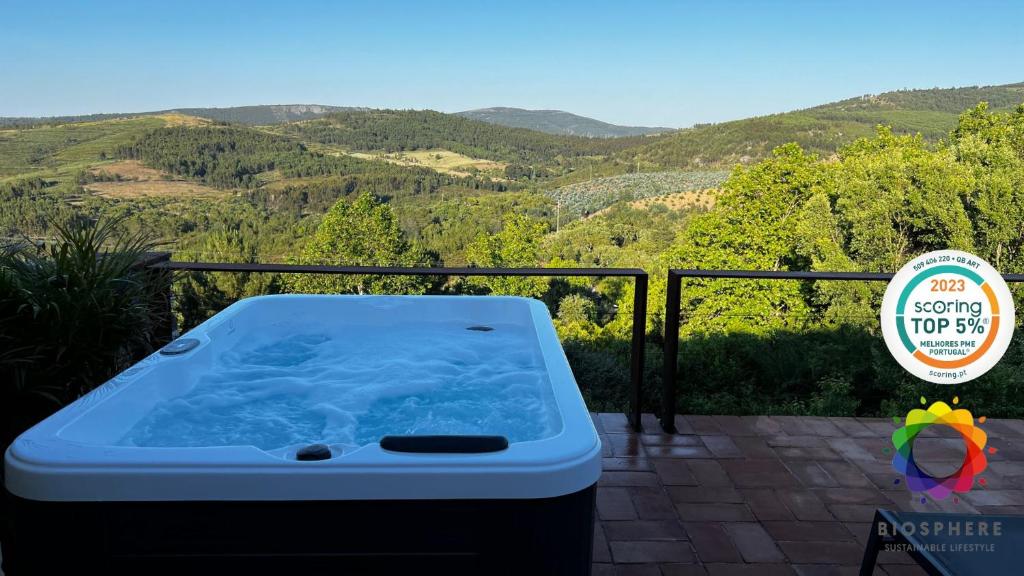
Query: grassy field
{"points": [[138, 181], [440, 160], [61, 151], [703, 199]]}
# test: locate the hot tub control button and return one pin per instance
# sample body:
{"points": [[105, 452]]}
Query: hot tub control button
{"points": [[313, 452], [179, 346]]}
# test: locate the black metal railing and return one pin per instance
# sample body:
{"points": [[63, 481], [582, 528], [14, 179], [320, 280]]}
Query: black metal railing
{"points": [[672, 309], [636, 357]]}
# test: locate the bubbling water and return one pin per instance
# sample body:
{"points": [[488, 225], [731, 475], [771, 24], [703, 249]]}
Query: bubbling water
{"points": [[351, 385]]}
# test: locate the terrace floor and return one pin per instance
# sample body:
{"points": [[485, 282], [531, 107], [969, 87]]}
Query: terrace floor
{"points": [[767, 495]]}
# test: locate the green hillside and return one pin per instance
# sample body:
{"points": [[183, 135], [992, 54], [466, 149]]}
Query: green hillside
{"points": [[250, 115], [557, 122], [403, 130], [823, 129]]}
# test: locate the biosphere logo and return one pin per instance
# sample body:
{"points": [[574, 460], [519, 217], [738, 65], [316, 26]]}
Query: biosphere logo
{"points": [[947, 317], [940, 414]]}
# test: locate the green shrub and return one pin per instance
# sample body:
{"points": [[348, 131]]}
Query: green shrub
{"points": [[72, 315]]}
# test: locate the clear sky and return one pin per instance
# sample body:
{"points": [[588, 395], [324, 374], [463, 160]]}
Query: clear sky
{"points": [[628, 62]]}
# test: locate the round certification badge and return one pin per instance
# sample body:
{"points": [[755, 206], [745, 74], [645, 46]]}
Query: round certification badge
{"points": [[947, 317]]}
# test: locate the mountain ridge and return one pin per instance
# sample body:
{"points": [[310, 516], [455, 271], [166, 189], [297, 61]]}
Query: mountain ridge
{"points": [[557, 122]]}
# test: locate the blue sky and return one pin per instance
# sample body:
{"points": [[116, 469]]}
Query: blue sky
{"points": [[628, 62]]}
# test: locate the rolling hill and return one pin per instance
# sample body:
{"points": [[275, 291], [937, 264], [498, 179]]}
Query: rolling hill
{"points": [[404, 130], [252, 115], [823, 129], [557, 122]]}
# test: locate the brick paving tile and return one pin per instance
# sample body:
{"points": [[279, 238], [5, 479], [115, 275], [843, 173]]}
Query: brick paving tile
{"points": [[704, 494], [754, 543], [749, 570], [721, 446], [776, 441], [637, 570], [860, 530], [849, 553], [853, 512], [650, 423], [683, 570], [808, 531], [624, 444], [615, 504], [651, 552], [1010, 510], [737, 426], [652, 503], [601, 552], [709, 473], [882, 427], [1006, 428], [766, 425], [628, 478], [703, 424], [995, 497], [908, 502], [615, 422], [770, 495], [670, 440], [713, 512], [795, 426], [821, 426], [765, 504], [1007, 468], [758, 473], [632, 463], [754, 447], [606, 447], [805, 505], [852, 427], [712, 542], [807, 453], [674, 472], [811, 474], [846, 474], [644, 530], [851, 496], [678, 452], [854, 449], [682, 426]]}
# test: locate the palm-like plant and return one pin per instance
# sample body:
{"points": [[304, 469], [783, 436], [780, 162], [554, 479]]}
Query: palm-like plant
{"points": [[72, 314]]}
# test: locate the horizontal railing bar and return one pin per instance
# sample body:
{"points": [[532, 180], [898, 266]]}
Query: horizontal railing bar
{"points": [[395, 271], [799, 275]]}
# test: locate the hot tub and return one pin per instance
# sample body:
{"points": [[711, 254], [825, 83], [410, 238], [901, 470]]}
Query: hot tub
{"points": [[299, 434]]}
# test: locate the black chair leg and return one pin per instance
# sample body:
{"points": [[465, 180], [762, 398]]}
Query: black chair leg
{"points": [[867, 565]]}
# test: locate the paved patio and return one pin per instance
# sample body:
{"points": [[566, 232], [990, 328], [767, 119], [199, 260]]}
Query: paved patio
{"points": [[760, 495]]}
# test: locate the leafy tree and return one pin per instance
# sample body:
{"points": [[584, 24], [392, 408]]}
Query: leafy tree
{"points": [[363, 232], [517, 245]]}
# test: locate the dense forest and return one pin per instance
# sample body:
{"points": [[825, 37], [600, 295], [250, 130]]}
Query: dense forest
{"points": [[821, 189]]}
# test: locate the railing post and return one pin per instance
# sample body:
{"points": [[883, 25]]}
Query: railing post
{"points": [[636, 357], [668, 384]]}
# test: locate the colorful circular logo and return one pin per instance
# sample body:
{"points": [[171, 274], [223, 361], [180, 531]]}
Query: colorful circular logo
{"points": [[947, 317], [939, 414]]}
